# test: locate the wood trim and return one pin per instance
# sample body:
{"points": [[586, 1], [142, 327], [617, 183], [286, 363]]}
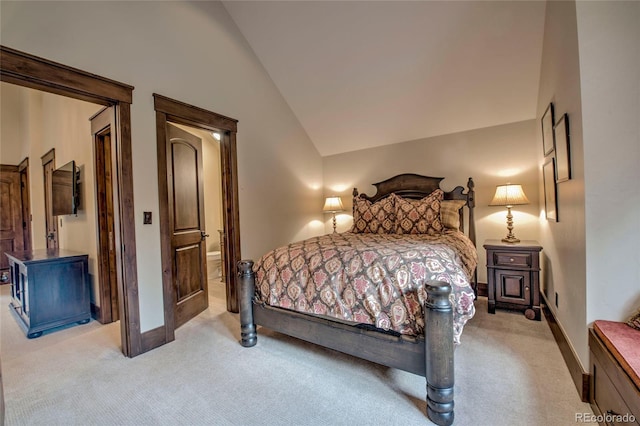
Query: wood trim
{"points": [[43, 74], [96, 313], [182, 113], [179, 112], [8, 168], [25, 191], [101, 123], [153, 338], [164, 217], [31, 71], [48, 156], [231, 217], [126, 237], [578, 375], [24, 164]]}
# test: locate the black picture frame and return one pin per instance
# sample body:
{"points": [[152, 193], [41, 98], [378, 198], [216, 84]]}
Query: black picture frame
{"points": [[550, 198], [547, 122], [563, 158]]}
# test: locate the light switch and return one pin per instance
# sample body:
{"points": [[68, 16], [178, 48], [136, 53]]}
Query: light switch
{"points": [[146, 218]]}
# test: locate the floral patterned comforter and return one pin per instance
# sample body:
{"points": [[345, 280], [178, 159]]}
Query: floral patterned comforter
{"points": [[375, 279]]}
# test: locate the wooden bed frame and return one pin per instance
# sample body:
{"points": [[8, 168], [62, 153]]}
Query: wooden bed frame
{"points": [[431, 357]]}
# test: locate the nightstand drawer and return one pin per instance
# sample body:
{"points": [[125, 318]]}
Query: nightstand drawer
{"points": [[522, 260]]}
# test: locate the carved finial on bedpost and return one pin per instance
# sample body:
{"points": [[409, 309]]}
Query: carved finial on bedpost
{"points": [[246, 278], [472, 192], [438, 330]]}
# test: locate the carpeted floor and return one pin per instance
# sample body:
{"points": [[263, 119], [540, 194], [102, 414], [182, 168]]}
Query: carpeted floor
{"points": [[509, 371]]}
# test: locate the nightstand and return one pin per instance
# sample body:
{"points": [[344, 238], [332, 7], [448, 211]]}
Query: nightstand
{"points": [[513, 276]]}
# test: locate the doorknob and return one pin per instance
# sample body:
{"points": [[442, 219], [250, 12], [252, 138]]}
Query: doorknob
{"points": [[203, 235], [51, 235]]}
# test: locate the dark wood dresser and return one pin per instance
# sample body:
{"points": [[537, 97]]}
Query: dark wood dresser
{"points": [[49, 288], [513, 276]]}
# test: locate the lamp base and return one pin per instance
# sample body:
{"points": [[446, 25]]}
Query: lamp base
{"points": [[509, 239]]}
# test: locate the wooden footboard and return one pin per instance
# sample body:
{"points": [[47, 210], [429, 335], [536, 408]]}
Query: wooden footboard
{"points": [[431, 357]]}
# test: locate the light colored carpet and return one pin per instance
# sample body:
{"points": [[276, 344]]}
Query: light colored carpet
{"points": [[509, 371]]}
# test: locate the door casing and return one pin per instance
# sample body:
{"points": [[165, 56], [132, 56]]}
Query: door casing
{"points": [[23, 168], [170, 110], [102, 124], [27, 70], [50, 221]]}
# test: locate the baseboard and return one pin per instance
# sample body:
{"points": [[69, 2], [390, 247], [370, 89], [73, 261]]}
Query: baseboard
{"points": [[481, 289], [95, 313], [578, 375], [153, 338]]}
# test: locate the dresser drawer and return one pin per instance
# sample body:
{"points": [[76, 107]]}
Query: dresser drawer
{"points": [[522, 260], [606, 397]]}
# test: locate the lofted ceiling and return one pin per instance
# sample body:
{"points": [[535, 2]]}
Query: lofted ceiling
{"points": [[360, 74]]}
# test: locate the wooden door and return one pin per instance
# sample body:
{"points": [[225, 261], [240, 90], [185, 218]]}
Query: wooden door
{"points": [[101, 126], [51, 223], [11, 235], [186, 224]]}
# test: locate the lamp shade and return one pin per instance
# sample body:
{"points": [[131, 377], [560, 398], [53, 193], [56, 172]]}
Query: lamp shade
{"points": [[509, 195], [333, 204]]}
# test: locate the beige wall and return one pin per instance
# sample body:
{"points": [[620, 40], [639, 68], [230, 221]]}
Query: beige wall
{"points": [[609, 42], [564, 260], [590, 68], [192, 52], [14, 103], [33, 123], [491, 156]]}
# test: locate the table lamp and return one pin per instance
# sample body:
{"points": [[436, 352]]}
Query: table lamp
{"points": [[509, 195], [333, 205]]}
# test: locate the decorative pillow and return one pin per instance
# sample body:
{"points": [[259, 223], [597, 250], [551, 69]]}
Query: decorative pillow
{"points": [[450, 213], [374, 218], [634, 320], [419, 216]]}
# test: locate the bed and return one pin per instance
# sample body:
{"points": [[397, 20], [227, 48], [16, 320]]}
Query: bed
{"points": [[395, 290]]}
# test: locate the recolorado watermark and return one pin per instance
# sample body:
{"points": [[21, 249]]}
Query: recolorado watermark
{"points": [[605, 418]]}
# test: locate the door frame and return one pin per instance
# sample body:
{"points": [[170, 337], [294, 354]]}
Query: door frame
{"points": [[48, 166], [27, 70], [170, 110], [103, 123], [23, 169]]}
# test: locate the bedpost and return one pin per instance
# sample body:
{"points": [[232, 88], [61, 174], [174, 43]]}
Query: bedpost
{"points": [[353, 206], [247, 279], [438, 330], [471, 202]]}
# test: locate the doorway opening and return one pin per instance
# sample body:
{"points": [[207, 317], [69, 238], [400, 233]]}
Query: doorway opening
{"points": [[37, 73], [185, 237]]}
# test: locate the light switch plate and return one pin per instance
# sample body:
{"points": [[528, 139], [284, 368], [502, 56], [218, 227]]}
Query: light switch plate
{"points": [[146, 218]]}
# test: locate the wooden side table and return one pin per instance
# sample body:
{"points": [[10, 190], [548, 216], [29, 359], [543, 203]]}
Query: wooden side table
{"points": [[513, 276]]}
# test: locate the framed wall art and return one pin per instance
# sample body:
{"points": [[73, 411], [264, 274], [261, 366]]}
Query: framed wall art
{"points": [[550, 200], [548, 143], [563, 159]]}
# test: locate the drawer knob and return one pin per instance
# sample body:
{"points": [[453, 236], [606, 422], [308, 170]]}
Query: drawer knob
{"points": [[511, 259], [526, 288]]}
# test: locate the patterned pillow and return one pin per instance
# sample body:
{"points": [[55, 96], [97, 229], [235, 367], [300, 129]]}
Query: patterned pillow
{"points": [[634, 320], [450, 213], [419, 216], [374, 218]]}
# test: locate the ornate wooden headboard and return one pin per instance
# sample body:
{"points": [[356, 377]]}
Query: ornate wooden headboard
{"points": [[411, 185]]}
